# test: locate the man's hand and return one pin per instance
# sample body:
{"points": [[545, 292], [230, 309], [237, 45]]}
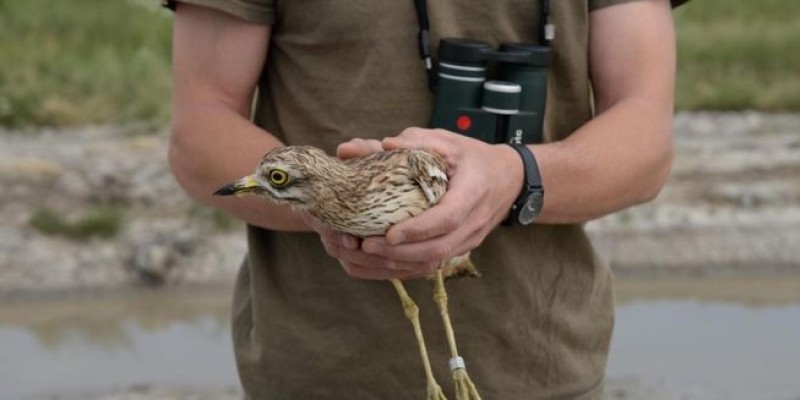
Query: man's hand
{"points": [[358, 264], [358, 148], [347, 248], [484, 182]]}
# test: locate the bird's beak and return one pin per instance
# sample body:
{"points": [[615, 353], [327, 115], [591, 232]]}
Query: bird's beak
{"points": [[240, 186]]}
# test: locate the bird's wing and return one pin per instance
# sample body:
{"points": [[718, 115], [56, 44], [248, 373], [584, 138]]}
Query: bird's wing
{"points": [[429, 171]]}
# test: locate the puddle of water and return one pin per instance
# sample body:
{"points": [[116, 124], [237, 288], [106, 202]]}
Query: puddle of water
{"points": [[730, 350], [95, 345], [182, 339]]}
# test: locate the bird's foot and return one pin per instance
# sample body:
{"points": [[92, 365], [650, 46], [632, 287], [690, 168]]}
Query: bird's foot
{"points": [[465, 389], [435, 392]]}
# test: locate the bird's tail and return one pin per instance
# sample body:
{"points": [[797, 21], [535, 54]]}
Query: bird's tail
{"points": [[460, 266]]}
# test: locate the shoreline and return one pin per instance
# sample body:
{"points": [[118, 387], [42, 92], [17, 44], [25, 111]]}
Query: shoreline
{"points": [[742, 289]]}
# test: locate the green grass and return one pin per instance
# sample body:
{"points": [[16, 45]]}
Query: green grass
{"points": [[739, 54], [78, 62], [104, 222]]}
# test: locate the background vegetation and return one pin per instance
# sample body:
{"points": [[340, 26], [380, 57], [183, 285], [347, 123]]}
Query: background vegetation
{"points": [[104, 221], [739, 54], [78, 62]]}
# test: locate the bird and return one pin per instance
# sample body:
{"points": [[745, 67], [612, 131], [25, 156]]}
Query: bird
{"points": [[365, 196]]}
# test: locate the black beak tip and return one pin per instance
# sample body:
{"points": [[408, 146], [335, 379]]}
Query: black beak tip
{"points": [[226, 190]]}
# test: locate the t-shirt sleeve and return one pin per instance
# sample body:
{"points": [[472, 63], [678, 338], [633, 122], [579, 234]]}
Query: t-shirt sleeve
{"points": [[597, 4], [259, 11]]}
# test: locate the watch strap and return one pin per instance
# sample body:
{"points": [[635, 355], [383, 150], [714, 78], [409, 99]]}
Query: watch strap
{"points": [[532, 181]]}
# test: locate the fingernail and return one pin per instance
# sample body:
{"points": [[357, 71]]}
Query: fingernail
{"points": [[387, 143]]}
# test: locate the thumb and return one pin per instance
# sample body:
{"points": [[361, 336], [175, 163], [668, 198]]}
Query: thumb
{"points": [[358, 148]]}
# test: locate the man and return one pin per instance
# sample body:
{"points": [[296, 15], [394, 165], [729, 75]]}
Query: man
{"points": [[539, 321]]}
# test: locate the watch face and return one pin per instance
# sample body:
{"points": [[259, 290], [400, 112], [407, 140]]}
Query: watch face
{"points": [[531, 209]]}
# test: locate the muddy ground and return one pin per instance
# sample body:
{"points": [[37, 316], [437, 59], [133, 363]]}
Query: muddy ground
{"points": [[731, 206]]}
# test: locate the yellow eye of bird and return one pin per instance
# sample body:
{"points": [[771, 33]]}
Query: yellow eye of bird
{"points": [[278, 178]]}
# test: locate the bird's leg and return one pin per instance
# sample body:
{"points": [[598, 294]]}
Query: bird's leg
{"points": [[434, 391], [465, 389]]}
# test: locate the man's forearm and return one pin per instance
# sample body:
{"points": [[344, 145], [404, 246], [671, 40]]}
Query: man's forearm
{"points": [[211, 145], [623, 156], [617, 160]]}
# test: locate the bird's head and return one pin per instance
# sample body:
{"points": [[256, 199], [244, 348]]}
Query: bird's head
{"points": [[286, 175]]}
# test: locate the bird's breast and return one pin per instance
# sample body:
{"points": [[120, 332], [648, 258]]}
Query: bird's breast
{"points": [[375, 210]]}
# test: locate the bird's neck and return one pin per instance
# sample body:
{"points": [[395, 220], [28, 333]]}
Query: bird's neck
{"points": [[339, 193]]}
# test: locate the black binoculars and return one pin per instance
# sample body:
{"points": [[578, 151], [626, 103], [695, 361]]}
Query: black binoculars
{"points": [[509, 108]]}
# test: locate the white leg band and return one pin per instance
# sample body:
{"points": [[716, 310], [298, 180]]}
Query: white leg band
{"points": [[457, 363]]}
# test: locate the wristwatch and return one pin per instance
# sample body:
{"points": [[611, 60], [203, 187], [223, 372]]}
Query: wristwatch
{"points": [[529, 203]]}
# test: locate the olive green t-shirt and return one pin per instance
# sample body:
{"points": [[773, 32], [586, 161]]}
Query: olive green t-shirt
{"points": [[537, 324]]}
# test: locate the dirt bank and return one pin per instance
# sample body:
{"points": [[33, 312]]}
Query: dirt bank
{"points": [[162, 237], [730, 208]]}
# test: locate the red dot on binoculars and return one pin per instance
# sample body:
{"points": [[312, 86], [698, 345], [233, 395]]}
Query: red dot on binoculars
{"points": [[464, 123]]}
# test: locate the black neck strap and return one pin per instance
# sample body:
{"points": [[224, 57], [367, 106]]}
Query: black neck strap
{"points": [[546, 32], [424, 40]]}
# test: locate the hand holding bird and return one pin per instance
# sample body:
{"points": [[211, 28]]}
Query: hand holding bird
{"points": [[484, 182]]}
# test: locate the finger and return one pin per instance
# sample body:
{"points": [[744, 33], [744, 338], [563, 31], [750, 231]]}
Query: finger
{"points": [[451, 212], [344, 240], [327, 234], [314, 223], [352, 256], [424, 139], [373, 261], [432, 252], [444, 247], [358, 148], [435, 250], [447, 147], [349, 242], [330, 248]]}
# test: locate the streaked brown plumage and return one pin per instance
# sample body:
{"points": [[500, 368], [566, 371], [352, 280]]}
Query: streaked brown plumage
{"points": [[364, 197]]}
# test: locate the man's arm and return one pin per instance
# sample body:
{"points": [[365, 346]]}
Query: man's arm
{"points": [[217, 60], [619, 159], [623, 156]]}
